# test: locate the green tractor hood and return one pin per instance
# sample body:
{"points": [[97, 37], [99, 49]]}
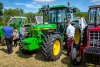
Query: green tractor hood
{"points": [[34, 42], [44, 26]]}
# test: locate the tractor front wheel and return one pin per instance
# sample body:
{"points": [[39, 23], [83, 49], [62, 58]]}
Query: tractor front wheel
{"points": [[3, 41], [75, 56], [52, 47], [21, 48], [77, 36]]}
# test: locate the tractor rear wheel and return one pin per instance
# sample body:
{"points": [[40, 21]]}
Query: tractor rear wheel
{"points": [[77, 36], [75, 56], [52, 47], [3, 41]]}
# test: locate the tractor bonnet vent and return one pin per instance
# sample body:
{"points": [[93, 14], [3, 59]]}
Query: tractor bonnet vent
{"points": [[92, 55], [93, 50]]}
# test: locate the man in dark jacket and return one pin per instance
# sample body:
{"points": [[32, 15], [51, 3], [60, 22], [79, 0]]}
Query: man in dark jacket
{"points": [[8, 31]]}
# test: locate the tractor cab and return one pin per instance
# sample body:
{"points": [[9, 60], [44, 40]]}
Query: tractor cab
{"points": [[58, 15], [16, 21], [94, 16]]}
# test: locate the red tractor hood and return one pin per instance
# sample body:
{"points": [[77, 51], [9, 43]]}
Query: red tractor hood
{"points": [[95, 28]]}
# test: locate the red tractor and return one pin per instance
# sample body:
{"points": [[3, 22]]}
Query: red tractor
{"points": [[90, 48]]}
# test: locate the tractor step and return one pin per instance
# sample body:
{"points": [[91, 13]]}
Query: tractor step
{"points": [[92, 55]]}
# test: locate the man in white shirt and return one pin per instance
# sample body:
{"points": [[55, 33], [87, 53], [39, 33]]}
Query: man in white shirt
{"points": [[70, 31]]}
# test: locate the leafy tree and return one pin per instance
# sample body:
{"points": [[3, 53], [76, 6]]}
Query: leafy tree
{"points": [[30, 16], [12, 12], [1, 13], [80, 14]]}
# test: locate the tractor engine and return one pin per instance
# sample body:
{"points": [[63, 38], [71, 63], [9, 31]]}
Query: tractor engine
{"points": [[92, 53]]}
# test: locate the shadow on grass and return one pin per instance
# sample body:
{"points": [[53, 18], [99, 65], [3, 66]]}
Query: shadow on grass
{"points": [[26, 55], [67, 62], [4, 50], [39, 55]]}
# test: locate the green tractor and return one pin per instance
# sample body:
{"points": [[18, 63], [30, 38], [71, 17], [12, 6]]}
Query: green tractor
{"points": [[14, 21], [50, 37]]}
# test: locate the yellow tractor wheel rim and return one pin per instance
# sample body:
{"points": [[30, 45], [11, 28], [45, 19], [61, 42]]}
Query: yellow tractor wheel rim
{"points": [[56, 47], [77, 36]]}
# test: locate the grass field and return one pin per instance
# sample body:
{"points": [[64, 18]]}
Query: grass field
{"points": [[17, 59]]}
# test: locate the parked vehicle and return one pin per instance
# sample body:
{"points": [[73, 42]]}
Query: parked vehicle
{"points": [[91, 48], [50, 37], [80, 21], [14, 21]]}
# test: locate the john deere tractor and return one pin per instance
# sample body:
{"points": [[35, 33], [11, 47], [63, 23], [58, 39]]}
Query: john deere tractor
{"points": [[14, 21], [50, 37]]}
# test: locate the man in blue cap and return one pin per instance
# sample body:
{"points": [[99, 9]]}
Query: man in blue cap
{"points": [[8, 31]]}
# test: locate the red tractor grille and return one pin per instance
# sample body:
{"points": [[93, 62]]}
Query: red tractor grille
{"points": [[94, 38], [92, 55]]}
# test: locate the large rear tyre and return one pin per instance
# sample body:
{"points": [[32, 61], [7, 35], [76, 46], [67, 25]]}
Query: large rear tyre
{"points": [[84, 39], [3, 41], [75, 56], [52, 47]]}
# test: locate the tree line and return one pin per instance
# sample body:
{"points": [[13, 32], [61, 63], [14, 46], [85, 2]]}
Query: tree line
{"points": [[5, 14]]}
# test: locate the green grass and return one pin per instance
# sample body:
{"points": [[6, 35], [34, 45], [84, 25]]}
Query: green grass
{"points": [[17, 59]]}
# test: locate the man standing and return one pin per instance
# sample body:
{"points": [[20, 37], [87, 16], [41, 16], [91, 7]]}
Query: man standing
{"points": [[22, 31], [8, 31], [70, 34]]}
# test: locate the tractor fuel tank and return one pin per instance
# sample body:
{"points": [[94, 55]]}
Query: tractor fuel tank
{"points": [[92, 55]]}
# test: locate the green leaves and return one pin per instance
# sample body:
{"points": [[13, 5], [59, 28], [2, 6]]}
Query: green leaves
{"points": [[30, 16], [12, 12], [81, 14]]}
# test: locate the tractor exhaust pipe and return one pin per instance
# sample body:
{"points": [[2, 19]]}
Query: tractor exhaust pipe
{"points": [[43, 11]]}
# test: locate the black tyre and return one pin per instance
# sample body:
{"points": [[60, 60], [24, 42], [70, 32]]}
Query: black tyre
{"points": [[3, 41], [75, 57], [21, 48], [77, 35], [84, 39], [52, 47]]}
